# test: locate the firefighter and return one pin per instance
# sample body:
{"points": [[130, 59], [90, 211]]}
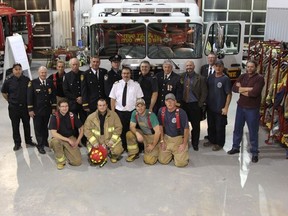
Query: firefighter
{"points": [[62, 126], [58, 78], [14, 90], [174, 133], [149, 85], [41, 102], [103, 127], [92, 85], [72, 91], [148, 134], [168, 82], [113, 75]]}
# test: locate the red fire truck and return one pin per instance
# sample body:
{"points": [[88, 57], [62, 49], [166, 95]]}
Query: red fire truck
{"points": [[11, 23]]}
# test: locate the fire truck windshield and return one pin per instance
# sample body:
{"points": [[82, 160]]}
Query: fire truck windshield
{"points": [[155, 40]]}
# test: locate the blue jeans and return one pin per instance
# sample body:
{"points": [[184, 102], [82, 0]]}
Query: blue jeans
{"points": [[251, 117]]}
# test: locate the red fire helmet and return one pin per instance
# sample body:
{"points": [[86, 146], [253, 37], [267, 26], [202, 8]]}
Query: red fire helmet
{"points": [[98, 155]]}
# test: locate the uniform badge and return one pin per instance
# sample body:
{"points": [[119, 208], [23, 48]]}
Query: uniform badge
{"points": [[169, 87], [219, 85], [49, 91], [173, 120], [105, 77], [29, 84], [82, 77]]}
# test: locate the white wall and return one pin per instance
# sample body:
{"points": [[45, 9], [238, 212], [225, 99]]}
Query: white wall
{"points": [[277, 3]]}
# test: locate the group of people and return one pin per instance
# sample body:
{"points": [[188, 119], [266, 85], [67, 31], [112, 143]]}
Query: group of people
{"points": [[108, 109]]}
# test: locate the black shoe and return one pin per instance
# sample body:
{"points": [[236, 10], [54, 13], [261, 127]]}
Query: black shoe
{"points": [[16, 147], [41, 150], [206, 137], [31, 143], [255, 158], [233, 151], [195, 147]]}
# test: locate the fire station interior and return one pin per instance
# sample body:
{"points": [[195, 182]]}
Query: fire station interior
{"points": [[214, 183]]}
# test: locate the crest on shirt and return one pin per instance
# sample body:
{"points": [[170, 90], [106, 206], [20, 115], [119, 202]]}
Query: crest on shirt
{"points": [[219, 85], [105, 77], [173, 120]]}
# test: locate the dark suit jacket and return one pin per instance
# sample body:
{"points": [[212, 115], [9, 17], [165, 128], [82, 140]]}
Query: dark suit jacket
{"points": [[92, 88], [41, 99]]}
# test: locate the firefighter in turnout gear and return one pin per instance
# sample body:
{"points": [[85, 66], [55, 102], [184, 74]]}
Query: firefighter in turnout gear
{"points": [[62, 126], [148, 134], [174, 133], [104, 127]]}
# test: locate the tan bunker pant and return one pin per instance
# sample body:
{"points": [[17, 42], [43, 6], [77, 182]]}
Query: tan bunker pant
{"points": [[63, 150], [180, 158], [133, 148]]}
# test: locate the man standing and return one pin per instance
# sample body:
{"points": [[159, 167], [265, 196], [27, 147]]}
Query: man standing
{"points": [[58, 78], [208, 69], [194, 97], [14, 90], [41, 102], [168, 82], [174, 133], [149, 85], [124, 94], [218, 101], [249, 86], [104, 127], [72, 89], [64, 143], [113, 75], [148, 134], [92, 85]]}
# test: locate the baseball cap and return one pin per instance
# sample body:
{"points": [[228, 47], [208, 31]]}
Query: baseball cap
{"points": [[140, 101], [115, 58], [16, 64], [170, 96], [219, 62]]}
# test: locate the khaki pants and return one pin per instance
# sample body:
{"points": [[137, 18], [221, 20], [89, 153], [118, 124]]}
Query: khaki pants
{"points": [[116, 150], [132, 146], [63, 150], [181, 159]]}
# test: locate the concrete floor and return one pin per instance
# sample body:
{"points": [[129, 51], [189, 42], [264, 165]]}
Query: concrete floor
{"points": [[213, 183]]}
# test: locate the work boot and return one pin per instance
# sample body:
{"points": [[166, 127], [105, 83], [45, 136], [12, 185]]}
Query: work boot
{"points": [[233, 151], [132, 157], [60, 166], [113, 159], [216, 148]]}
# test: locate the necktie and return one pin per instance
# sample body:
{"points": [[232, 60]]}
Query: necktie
{"points": [[43, 83], [124, 95], [165, 77], [210, 71], [187, 88], [97, 74]]}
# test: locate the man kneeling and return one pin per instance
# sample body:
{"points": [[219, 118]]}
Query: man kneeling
{"points": [[64, 143], [148, 134], [104, 127]]}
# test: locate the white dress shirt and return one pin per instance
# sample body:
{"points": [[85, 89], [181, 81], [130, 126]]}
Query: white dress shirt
{"points": [[134, 91]]}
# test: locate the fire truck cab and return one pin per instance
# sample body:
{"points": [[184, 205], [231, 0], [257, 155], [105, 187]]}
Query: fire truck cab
{"points": [[11, 23], [154, 30]]}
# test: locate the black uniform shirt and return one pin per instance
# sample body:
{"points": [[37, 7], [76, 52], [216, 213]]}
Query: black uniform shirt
{"points": [[65, 126], [58, 84], [16, 88], [148, 85]]}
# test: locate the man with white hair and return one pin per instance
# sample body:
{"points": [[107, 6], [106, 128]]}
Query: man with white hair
{"points": [[168, 82], [41, 102]]}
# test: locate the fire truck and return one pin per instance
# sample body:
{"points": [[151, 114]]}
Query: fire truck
{"points": [[156, 30], [11, 23]]}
